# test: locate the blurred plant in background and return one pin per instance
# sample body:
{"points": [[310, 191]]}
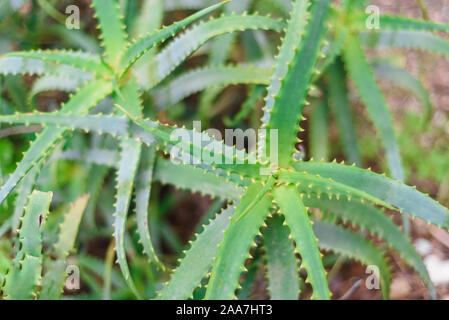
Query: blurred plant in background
{"points": [[217, 71]]}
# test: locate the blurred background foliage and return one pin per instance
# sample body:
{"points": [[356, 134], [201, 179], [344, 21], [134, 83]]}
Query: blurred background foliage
{"points": [[174, 214]]}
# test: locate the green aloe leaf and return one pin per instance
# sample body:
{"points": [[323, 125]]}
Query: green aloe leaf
{"points": [[198, 259], [183, 46], [376, 222], [400, 23], [292, 39], [319, 123], [281, 262], [339, 101], [129, 162], [363, 77], [77, 59], [404, 198], [306, 180], [219, 52], [290, 100], [44, 143], [24, 191], [25, 274], [142, 45], [197, 80], [130, 157], [54, 279], [337, 239], [58, 83], [143, 189], [297, 219], [407, 39], [113, 32], [195, 179], [404, 79], [214, 153], [16, 65], [234, 248], [113, 125]]}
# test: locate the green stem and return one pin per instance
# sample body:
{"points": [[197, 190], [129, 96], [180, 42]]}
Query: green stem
{"points": [[423, 7], [52, 12]]}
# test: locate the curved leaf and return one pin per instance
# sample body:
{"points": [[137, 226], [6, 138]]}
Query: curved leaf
{"points": [[142, 45], [27, 265], [296, 218], [197, 80], [319, 123], [291, 97], [404, 79], [374, 220], [237, 241], [143, 189], [219, 52], [400, 23], [44, 143], [337, 239], [181, 47], [113, 125], [129, 162], [77, 59], [195, 179], [292, 39], [57, 83], [363, 77], [112, 29], [306, 180], [23, 193], [21, 65], [281, 262], [403, 197], [198, 259], [338, 99], [408, 39], [173, 140], [54, 279]]}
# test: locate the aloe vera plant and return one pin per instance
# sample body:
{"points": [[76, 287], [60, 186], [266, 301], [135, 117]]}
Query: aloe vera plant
{"points": [[321, 44], [25, 275]]}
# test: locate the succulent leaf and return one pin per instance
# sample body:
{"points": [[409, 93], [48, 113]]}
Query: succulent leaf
{"points": [[22, 279], [234, 248], [296, 218], [54, 279], [281, 262], [405, 198]]}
